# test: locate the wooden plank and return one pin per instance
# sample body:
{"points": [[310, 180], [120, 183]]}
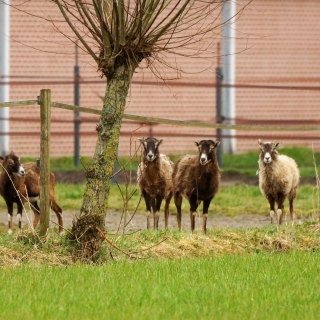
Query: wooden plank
{"points": [[196, 124], [75, 108], [18, 103]]}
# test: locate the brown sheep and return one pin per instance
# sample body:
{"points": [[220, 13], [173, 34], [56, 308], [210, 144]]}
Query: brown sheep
{"points": [[154, 180], [21, 184], [197, 178]]}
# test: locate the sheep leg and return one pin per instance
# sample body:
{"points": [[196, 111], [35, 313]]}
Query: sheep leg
{"points": [[271, 203], [19, 215], [206, 204], [192, 219], [58, 211], [157, 206], [10, 223], [193, 211], [166, 210], [154, 211], [291, 197], [36, 214], [178, 202], [204, 223], [291, 209], [147, 200], [280, 202], [156, 220], [10, 210], [148, 219]]}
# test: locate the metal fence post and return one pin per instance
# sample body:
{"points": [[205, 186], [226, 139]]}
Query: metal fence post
{"points": [[77, 113], [45, 114], [219, 78]]}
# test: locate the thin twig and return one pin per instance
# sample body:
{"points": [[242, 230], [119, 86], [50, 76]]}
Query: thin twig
{"points": [[113, 245]]}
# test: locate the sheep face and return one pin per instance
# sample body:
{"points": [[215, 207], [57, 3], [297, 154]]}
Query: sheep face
{"points": [[206, 150], [150, 146], [12, 164], [268, 151]]}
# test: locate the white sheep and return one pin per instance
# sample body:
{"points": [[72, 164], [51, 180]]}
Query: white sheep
{"points": [[278, 178], [154, 177]]}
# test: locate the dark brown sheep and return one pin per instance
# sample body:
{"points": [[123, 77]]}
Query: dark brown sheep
{"points": [[154, 177], [197, 178], [20, 184]]}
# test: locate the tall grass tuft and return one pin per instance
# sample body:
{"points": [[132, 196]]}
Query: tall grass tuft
{"points": [[27, 249]]}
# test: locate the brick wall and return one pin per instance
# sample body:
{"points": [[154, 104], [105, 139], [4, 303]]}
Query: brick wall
{"points": [[277, 44]]}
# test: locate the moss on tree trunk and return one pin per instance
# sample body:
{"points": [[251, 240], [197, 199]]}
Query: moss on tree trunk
{"points": [[95, 198]]}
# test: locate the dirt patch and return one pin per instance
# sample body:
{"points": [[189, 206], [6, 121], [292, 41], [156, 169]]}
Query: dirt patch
{"points": [[139, 221]]}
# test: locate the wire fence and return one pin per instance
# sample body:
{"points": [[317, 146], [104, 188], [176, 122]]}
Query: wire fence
{"points": [[282, 129], [284, 125], [44, 100]]}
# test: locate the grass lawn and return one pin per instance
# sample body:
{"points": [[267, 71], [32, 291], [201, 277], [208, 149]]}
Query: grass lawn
{"points": [[250, 286], [230, 200], [254, 273]]}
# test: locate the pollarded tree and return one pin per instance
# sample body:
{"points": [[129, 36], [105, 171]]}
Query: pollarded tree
{"points": [[119, 35]]}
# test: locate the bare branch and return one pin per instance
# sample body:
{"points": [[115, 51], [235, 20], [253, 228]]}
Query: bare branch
{"points": [[149, 30], [120, 9], [82, 9], [75, 31]]}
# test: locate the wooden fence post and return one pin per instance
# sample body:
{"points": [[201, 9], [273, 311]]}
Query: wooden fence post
{"points": [[45, 114]]}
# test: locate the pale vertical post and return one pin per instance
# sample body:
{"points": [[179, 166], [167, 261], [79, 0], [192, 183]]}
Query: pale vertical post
{"points": [[45, 113], [4, 74]]}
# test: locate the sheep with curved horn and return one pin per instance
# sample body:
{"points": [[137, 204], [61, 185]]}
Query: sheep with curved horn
{"points": [[154, 178], [197, 178], [278, 179], [20, 184]]}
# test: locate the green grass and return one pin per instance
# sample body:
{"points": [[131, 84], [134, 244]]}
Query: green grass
{"points": [[63, 163], [255, 286], [230, 200], [246, 163], [254, 273]]}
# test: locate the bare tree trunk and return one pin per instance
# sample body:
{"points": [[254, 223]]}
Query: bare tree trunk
{"points": [[95, 199]]}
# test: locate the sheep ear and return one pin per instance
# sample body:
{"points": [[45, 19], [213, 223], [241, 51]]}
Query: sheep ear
{"points": [[196, 143], [141, 140], [260, 144], [217, 143], [159, 142], [277, 144]]}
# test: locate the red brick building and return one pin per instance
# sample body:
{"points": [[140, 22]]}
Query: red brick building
{"points": [[277, 44]]}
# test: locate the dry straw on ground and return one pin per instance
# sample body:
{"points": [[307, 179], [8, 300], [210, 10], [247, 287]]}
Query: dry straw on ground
{"points": [[28, 249]]}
